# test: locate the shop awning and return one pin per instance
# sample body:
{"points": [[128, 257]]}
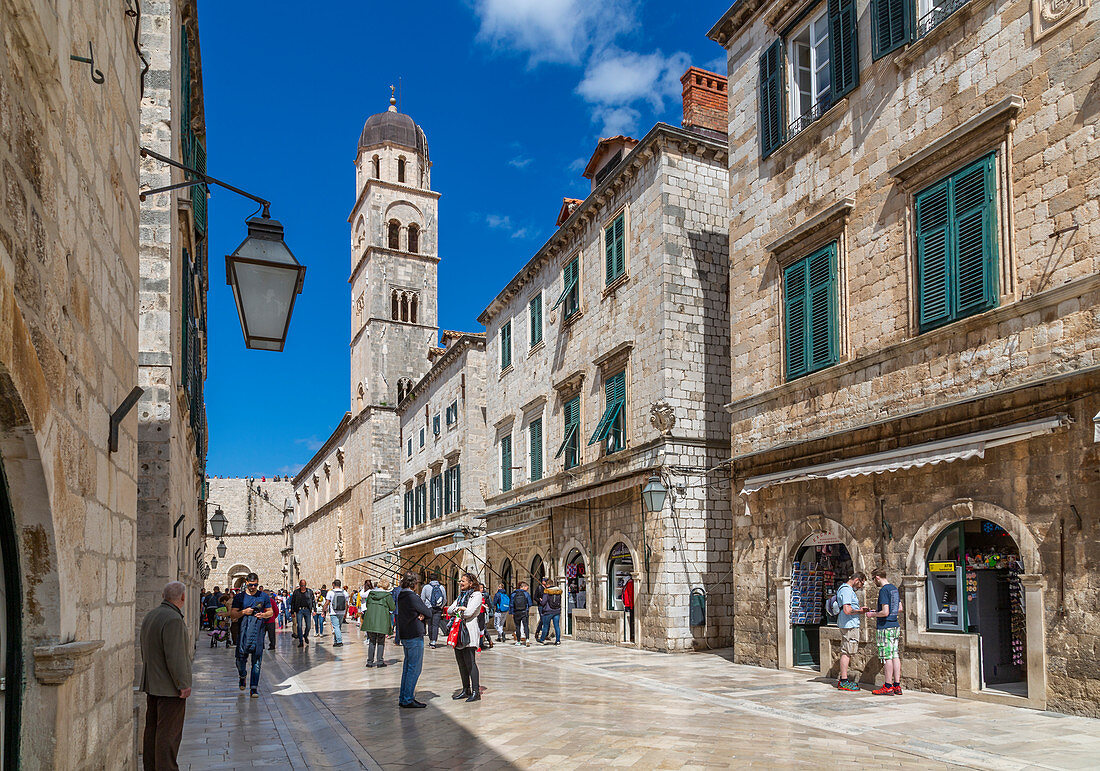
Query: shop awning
{"points": [[916, 456], [428, 538], [479, 540], [503, 509], [596, 490], [368, 558]]}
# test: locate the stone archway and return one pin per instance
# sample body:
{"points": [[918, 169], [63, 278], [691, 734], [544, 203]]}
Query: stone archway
{"points": [[234, 577], [575, 605], [964, 509], [599, 601]]}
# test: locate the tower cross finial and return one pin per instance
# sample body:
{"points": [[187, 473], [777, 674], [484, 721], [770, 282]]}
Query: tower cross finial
{"points": [[393, 99]]}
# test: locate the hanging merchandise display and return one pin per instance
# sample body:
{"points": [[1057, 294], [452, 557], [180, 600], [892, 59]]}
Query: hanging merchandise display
{"points": [[822, 564]]}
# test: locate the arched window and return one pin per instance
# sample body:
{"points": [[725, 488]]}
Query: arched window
{"points": [[413, 308], [377, 167], [414, 238], [506, 575], [404, 307], [395, 234], [401, 169], [538, 571], [404, 386], [395, 305]]}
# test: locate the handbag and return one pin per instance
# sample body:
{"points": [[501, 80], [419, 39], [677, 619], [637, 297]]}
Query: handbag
{"points": [[453, 637]]}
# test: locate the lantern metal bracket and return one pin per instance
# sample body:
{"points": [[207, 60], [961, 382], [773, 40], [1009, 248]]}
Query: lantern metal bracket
{"points": [[201, 178], [118, 415]]}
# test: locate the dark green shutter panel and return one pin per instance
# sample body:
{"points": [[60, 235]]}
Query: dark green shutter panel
{"points": [[615, 388], [536, 320], [458, 488], [822, 308], [609, 252], [890, 25], [794, 290], [773, 115], [933, 287], [506, 345], [843, 47], [506, 463], [535, 431], [973, 237], [447, 492]]}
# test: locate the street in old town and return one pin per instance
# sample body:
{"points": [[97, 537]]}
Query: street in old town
{"points": [[589, 706]]}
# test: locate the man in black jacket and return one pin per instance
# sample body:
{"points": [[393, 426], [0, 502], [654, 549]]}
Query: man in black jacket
{"points": [[301, 607], [411, 612]]}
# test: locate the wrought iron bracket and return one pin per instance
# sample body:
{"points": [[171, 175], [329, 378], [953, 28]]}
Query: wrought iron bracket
{"points": [[118, 415], [201, 177], [97, 75]]}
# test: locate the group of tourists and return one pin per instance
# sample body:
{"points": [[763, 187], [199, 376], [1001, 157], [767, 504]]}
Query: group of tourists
{"points": [[846, 607]]}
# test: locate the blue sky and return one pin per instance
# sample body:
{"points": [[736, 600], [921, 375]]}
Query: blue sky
{"points": [[513, 95]]}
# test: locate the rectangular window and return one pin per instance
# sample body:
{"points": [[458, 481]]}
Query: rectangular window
{"points": [[957, 246], [506, 346], [452, 413], [610, 427], [436, 497], [614, 247], [506, 463], [534, 440], [421, 503], [809, 73], [421, 439], [571, 444], [535, 317], [810, 312], [435, 425], [410, 447], [452, 498], [570, 297], [456, 487], [410, 519], [891, 26]]}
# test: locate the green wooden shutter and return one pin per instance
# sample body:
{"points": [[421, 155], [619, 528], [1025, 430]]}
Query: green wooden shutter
{"points": [[536, 320], [506, 345], [843, 47], [972, 237], [615, 248], [773, 115], [933, 285], [795, 301], [891, 25], [458, 488], [447, 491], [505, 463], [534, 431], [822, 306]]}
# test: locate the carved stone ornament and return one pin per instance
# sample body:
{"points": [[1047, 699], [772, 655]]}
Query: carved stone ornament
{"points": [[662, 416], [484, 488], [1049, 15], [54, 664]]}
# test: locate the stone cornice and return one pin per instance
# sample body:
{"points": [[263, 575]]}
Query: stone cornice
{"points": [[733, 20], [454, 350], [385, 249], [55, 664], [830, 216], [660, 138], [392, 186], [329, 505]]}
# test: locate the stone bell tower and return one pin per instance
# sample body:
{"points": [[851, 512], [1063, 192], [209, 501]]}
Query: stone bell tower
{"points": [[394, 257]]}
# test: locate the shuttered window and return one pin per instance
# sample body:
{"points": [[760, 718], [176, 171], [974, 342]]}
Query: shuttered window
{"points": [[535, 318], [570, 445], [891, 25], [534, 438], [435, 497], [435, 425], [570, 297], [773, 116], [614, 248], [956, 246], [409, 519], [610, 427], [506, 463], [810, 312], [506, 346], [452, 496], [421, 503], [844, 46]]}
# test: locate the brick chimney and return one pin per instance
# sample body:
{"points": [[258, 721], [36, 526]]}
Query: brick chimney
{"points": [[706, 100]]}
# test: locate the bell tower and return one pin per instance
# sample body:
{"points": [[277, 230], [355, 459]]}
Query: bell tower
{"points": [[394, 259]]}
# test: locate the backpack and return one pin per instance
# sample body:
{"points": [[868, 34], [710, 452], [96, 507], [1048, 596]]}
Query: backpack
{"points": [[553, 601], [504, 602], [340, 603], [832, 605], [519, 601], [438, 598]]}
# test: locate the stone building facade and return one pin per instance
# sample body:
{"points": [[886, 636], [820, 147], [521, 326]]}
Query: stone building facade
{"points": [[259, 513], [69, 282], [606, 366], [393, 323], [915, 295], [172, 315]]}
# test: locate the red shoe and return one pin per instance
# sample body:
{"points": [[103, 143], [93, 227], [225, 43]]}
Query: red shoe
{"points": [[885, 690], [896, 690]]}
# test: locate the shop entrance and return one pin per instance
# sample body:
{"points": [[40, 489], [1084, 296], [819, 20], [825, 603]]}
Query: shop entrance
{"points": [[506, 576], [821, 564], [974, 587], [620, 587], [11, 660], [576, 595], [538, 572]]}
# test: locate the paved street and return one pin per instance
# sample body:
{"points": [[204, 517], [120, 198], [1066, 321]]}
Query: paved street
{"points": [[587, 706]]}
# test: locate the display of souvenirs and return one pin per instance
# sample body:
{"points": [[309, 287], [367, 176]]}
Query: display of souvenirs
{"points": [[1016, 604], [807, 594]]}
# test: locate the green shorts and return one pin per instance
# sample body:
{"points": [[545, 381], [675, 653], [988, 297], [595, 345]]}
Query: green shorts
{"points": [[887, 642]]}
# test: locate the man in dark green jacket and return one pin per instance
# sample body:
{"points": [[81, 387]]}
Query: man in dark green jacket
{"points": [[166, 652]]}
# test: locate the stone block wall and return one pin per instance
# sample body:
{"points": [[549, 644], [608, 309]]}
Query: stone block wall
{"points": [[255, 536]]}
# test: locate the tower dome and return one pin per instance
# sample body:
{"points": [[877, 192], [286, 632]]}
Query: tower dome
{"points": [[395, 127]]}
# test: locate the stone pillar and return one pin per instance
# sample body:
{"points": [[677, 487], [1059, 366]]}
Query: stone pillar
{"points": [[783, 634], [1036, 640]]}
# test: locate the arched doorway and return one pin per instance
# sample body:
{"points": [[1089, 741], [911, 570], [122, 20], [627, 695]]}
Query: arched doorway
{"points": [[538, 572], [620, 586], [235, 575], [576, 587], [821, 563], [974, 587], [506, 576], [11, 633]]}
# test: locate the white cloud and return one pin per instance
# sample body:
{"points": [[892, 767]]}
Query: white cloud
{"points": [[577, 165], [312, 443], [521, 233], [498, 221], [562, 31], [616, 121], [622, 77], [520, 162]]}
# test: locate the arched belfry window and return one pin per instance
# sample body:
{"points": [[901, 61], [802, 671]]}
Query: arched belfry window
{"points": [[414, 238], [395, 234], [376, 164], [404, 306], [401, 169], [404, 386], [395, 305], [414, 304]]}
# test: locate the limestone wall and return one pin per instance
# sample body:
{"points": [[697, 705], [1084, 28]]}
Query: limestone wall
{"points": [[256, 534]]}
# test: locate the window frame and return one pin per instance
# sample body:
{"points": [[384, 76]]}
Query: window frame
{"points": [[571, 288], [830, 287], [535, 449], [611, 430], [534, 321], [505, 345], [505, 455], [437, 428], [819, 13], [614, 246], [571, 432]]}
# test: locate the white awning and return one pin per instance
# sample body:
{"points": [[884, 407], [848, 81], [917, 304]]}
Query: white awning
{"points": [[480, 540], [427, 538], [927, 454], [369, 558]]}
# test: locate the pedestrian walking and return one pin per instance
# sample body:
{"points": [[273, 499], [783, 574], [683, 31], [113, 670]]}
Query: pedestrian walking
{"points": [[411, 614], [396, 631], [502, 604], [521, 614], [272, 623], [435, 597], [887, 633], [551, 614], [211, 606], [166, 651], [302, 605], [848, 619], [336, 605], [466, 610], [377, 615], [319, 611], [284, 608], [252, 607], [536, 592]]}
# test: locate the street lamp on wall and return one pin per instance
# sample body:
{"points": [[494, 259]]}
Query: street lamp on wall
{"points": [[221, 548], [654, 494], [266, 279], [213, 563], [218, 524]]}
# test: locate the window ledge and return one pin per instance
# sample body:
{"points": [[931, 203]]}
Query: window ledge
{"points": [[793, 144], [536, 347], [918, 47], [567, 321], [504, 372], [615, 284]]}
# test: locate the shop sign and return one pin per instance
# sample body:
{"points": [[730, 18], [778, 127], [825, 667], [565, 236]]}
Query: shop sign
{"points": [[941, 567], [821, 539], [619, 550]]}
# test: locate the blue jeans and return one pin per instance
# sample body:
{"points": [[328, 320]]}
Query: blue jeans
{"points": [[301, 622], [319, 622], [410, 668], [337, 632], [257, 658], [545, 630]]}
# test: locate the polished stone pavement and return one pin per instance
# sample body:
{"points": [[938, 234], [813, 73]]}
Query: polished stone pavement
{"points": [[580, 705]]}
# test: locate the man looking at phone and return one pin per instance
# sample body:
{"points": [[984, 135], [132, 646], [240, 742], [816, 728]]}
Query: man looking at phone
{"points": [[887, 633], [252, 607], [848, 620]]}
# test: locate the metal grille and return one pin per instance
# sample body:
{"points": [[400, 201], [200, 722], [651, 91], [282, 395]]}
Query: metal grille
{"points": [[937, 16], [815, 112]]}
